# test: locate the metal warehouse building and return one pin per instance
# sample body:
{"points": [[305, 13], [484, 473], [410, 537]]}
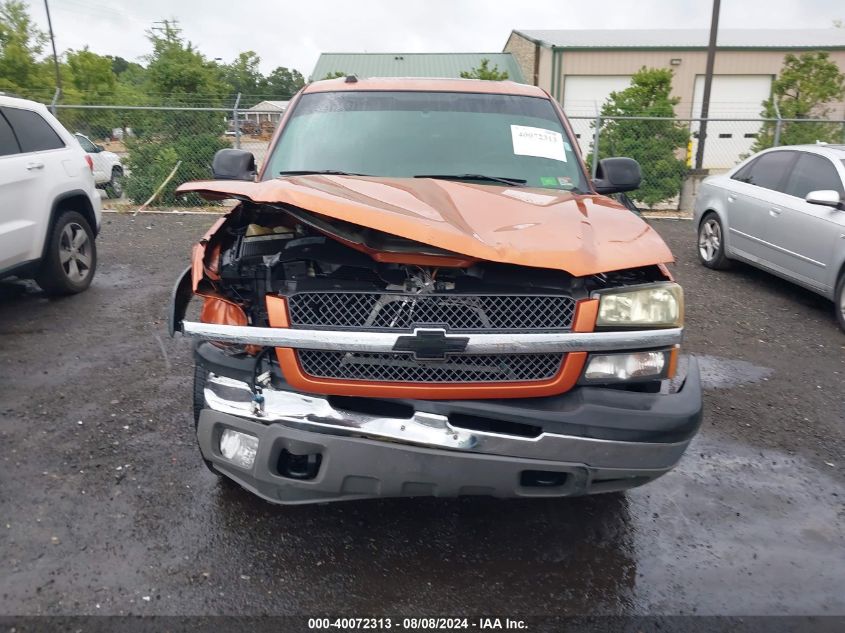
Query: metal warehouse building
{"points": [[580, 68]]}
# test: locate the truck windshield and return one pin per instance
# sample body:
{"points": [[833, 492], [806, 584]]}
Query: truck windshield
{"points": [[516, 139]]}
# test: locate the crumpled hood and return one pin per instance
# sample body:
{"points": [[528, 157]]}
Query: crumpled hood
{"points": [[580, 234]]}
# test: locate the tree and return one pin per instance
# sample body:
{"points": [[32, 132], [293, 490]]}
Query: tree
{"points": [[244, 76], [176, 74], [806, 86], [282, 82], [22, 71], [180, 74], [335, 75], [485, 72], [89, 79], [654, 144]]}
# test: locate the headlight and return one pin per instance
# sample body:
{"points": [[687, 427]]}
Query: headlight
{"points": [[657, 305], [605, 368]]}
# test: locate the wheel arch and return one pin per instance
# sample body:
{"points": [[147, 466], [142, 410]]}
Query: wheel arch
{"points": [[722, 220], [75, 200]]}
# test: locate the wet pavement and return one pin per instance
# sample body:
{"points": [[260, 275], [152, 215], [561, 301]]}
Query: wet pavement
{"points": [[107, 508]]}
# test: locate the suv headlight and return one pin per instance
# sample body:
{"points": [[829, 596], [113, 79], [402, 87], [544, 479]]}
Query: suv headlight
{"points": [[652, 305]]}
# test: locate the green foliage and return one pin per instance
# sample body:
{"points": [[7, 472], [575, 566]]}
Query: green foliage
{"points": [[163, 138], [485, 72], [244, 76], [335, 75], [151, 160], [807, 84], [654, 144], [22, 71], [178, 73], [282, 83]]}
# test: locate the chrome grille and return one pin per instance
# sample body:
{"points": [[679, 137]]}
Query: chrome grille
{"points": [[456, 312], [404, 368]]}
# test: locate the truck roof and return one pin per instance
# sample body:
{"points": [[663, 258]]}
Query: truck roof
{"points": [[426, 85]]}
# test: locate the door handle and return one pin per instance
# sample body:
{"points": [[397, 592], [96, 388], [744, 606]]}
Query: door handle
{"points": [[774, 212], [731, 198], [34, 165]]}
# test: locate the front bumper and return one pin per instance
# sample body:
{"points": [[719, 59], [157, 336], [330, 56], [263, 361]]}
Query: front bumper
{"points": [[585, 441]]}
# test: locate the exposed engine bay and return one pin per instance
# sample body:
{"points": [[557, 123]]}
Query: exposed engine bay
{"points": [[263, 250]]}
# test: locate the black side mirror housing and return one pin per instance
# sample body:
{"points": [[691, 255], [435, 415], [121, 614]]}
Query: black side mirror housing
{"points": [[615, 175], [233, 164], [100, 148]]}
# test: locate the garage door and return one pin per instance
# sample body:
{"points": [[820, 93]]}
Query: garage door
{"points": [[582, 94], [731, 96]]}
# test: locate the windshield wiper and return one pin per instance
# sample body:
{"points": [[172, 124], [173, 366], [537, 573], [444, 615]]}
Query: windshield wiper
{"points": [[321, 172], [513, 182]]}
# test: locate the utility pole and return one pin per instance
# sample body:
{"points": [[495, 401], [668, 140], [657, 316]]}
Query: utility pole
{"points": [[708, 82], [53, 42]]}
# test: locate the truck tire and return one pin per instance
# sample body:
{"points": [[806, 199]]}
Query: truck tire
{"points": [[114, 187], [70, 258], [711, 242], [839, 301]]}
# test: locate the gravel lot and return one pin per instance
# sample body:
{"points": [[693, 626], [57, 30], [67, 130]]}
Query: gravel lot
{"points": [[108, 509]]}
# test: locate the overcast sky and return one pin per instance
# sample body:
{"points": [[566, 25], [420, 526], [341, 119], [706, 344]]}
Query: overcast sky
{"points": [[293, 34]]}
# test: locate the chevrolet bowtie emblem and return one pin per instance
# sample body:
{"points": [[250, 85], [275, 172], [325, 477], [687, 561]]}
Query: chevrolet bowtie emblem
{"points": [[431, 344]]}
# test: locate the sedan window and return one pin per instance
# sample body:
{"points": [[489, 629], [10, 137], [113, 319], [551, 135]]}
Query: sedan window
{"points": [[813, 173], [768, 171]]}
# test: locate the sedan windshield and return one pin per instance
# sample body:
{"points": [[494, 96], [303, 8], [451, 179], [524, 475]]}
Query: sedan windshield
{"points": [[491, 139]]}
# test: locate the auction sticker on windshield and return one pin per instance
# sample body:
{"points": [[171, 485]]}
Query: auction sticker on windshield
{"points": [[537, 141]]}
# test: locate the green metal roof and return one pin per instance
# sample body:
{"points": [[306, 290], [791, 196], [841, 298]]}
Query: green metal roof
{"points": [[445, 65]]}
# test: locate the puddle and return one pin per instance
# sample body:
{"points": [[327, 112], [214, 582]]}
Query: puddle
{"points": [[724, 373]]}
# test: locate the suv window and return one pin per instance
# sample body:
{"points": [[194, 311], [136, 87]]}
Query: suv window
{"points": [[33, 132], [812, 173], [8, 142], [767, 171], [87, 145]]}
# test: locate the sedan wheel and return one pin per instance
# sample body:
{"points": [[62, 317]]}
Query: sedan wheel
{"points": [[711, 246], [839, 298]]}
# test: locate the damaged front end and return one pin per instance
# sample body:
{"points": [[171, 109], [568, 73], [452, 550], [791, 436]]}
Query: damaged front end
{"points": [[339, 361]]}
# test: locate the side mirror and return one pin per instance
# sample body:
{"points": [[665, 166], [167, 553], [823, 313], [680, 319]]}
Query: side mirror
{"points": [[233, 164], [615, 175], [100, 148], [825, 198]]}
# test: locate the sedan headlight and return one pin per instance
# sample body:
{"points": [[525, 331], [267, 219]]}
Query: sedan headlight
{"points": [[653, 305]]}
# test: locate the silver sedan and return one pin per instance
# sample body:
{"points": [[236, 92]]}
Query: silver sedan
{"points": [[782, 210]]}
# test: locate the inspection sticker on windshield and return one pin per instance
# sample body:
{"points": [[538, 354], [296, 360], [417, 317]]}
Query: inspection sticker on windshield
{"points": [[539, 142]]}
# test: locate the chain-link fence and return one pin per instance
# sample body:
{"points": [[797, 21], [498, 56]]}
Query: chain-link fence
{"points": [[150, 142], [668, 149]]}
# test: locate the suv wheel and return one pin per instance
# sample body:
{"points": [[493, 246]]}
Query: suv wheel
{"points": [[114, 187], [711, 243], [839, 301], [71, 256]]}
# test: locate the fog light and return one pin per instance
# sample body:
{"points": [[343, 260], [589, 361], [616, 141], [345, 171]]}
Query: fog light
{"points": [[238, 448], [619, 367]]}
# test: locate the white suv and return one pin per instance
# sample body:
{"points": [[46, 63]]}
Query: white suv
{"points": [[49, 206]]}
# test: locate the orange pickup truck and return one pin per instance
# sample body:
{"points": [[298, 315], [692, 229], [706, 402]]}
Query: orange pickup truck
{"points": [[422, 292]]}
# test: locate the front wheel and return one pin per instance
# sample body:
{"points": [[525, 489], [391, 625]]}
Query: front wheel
{"points": [[71, 256], [711, 243], [839, 300]]}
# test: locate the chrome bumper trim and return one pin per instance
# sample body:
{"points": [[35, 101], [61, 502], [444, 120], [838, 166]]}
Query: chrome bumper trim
{"points": [[316, 414], [383, 342]]}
